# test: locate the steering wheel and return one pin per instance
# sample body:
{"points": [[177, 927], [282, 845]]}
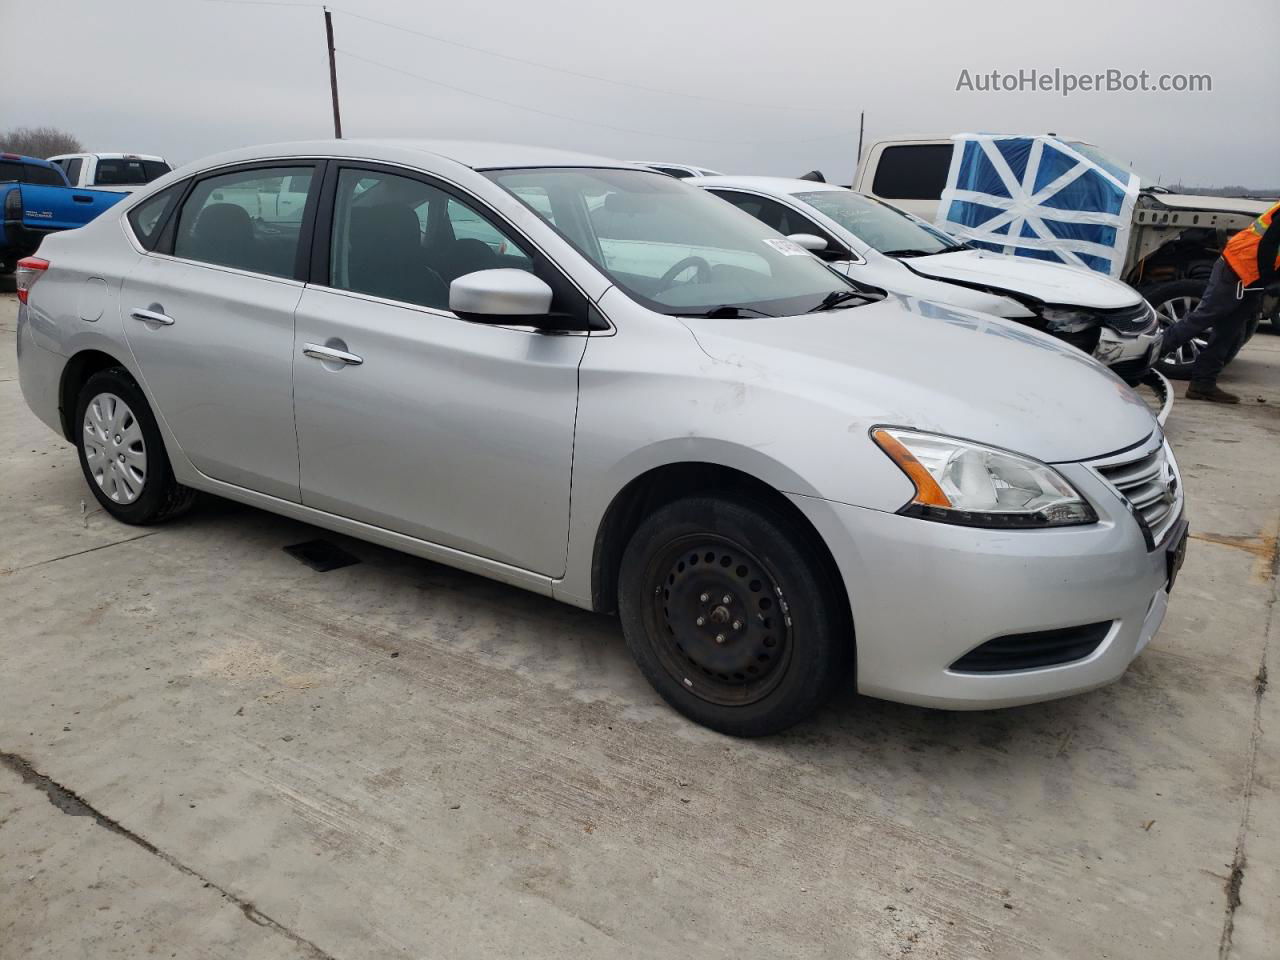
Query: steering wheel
{"points": [[702, 276]]}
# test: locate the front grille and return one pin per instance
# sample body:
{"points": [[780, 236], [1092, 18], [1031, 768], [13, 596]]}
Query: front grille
{"points": [[1128, 320], [1027, 651], [1151, 486]]}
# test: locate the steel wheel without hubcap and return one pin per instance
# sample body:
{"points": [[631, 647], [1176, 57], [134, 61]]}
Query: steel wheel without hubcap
{"points": [[722, 623], [114, 450]]}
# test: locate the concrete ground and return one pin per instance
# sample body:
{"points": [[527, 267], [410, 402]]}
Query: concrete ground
{"points": [[209, 750]]}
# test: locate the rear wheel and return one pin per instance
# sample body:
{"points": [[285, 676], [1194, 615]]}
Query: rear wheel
{"points": [[122, 453], [732, 616]]}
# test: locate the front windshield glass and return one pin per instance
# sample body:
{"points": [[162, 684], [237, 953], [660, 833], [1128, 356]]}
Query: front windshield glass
{"points": [[879, 225], [674, 248]]}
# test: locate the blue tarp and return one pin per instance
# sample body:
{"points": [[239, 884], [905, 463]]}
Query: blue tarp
{"points": [[1039, 197]]}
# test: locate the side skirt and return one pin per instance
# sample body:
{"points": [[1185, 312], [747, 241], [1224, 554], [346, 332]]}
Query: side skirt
{"points": [[516, 576]]}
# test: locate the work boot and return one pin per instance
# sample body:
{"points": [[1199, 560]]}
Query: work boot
{"points": [[1211, 392]]}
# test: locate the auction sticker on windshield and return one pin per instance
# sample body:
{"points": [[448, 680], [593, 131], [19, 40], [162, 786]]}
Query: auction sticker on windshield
{"points": [[788, 248]]}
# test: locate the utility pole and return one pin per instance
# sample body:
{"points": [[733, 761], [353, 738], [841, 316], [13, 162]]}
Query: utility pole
{"points": [[333, 74]]}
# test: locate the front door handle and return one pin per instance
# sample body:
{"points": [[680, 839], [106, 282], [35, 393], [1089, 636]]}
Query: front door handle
{"points": [[318, 352], [151, 316]]}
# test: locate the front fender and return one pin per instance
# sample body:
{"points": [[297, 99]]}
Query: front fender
{"points": [[649, 397]]}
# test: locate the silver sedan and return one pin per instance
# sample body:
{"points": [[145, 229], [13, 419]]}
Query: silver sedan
{"points": [[601, 384]]}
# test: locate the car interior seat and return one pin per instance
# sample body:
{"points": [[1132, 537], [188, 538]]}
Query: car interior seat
{"points": [[386, 257]]}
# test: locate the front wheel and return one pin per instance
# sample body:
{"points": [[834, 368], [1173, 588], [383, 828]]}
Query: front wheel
{"points": [[122, 453], [732, 615], [1173, 301]]}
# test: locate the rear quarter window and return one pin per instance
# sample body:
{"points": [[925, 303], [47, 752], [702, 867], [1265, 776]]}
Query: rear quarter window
{"points": [[912, 171], [148, 218]]}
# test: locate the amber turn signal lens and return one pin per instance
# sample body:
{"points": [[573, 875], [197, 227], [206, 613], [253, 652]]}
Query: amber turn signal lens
{"points": [[928, 492]]}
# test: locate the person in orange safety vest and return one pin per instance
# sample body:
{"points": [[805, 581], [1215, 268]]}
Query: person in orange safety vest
{"points": [[1248, 265]]}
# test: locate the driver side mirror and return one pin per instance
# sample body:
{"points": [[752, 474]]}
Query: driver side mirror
{"points": [[811, 242]]}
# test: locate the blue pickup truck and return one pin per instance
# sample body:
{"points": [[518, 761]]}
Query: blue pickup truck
{"points": [[36, 199]]}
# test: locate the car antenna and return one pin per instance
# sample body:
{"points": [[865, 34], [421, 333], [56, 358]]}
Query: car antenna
{"points": [[815, 175]]}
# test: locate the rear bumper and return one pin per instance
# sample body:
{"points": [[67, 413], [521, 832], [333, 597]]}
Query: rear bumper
{"points": [[39, 373]]}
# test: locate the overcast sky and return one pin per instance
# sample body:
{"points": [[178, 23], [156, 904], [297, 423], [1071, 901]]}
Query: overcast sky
{"points": [[745, 86]]}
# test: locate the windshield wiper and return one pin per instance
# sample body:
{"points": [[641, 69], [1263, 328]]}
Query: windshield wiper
{"points": [[835, 298], [910, 253], [727, 311]]}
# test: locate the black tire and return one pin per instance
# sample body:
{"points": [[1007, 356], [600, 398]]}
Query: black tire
{"points": [[794, 642], [1170, 300], [161, 497]]}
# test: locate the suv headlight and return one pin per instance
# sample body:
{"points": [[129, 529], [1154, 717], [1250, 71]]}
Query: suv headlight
{"points": [[973, 485]]}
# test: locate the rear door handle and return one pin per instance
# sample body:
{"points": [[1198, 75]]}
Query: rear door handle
{"points": [[318, 352], [81, 198], [151, 316]]}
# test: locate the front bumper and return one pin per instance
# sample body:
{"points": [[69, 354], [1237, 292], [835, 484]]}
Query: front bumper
{"points": [[1129, 357], [923, 594]]}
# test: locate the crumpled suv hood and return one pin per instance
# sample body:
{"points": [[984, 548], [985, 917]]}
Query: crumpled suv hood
{"points": [[1050, 282], [920, 364]]}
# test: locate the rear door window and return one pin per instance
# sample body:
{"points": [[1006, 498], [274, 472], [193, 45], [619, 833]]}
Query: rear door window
{"points": [[44, 176], [234, 220], [73, 166]]}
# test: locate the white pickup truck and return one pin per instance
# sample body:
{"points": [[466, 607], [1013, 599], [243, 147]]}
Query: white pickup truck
{"points": [[119, 172], [1173, 241]]}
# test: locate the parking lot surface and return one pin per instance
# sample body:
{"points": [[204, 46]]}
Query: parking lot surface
{"points": [[211, 750]]}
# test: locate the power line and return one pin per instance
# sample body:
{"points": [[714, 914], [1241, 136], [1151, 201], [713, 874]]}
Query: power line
{"points": [[562, 116], [264, 3], [544, 66], [522, 60], [573, 73]]}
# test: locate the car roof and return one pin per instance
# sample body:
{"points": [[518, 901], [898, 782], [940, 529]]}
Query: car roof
{"points": [[678, 164], [775, 185], [476, 154], [23, 158], [110, 156]]}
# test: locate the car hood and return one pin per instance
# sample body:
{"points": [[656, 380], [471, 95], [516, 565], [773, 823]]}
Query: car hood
{"points": [[933, 367], [1049, 282]]}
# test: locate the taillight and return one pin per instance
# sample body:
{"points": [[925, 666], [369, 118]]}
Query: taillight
{"points": [[30, 269], [13, 204]]}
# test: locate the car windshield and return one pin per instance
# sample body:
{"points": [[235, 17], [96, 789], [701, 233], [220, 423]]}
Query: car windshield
{"points": [[676, 249], [879, 225]]}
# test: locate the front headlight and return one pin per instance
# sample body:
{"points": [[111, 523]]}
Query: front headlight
{"points": [[967, 483]]}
